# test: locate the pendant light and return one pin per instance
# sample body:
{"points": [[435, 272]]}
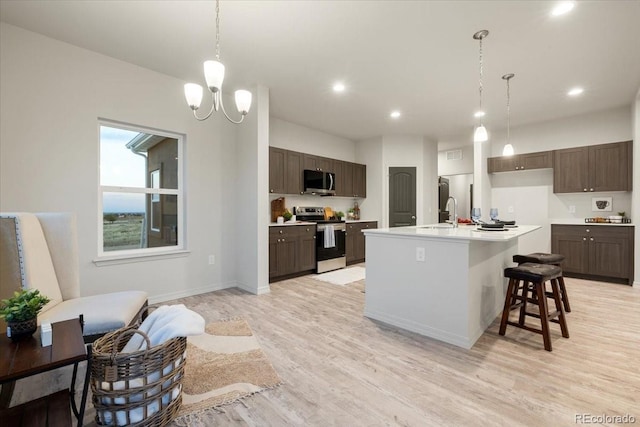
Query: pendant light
{"points": [[480, 134], [508, 148], [214, 75]]}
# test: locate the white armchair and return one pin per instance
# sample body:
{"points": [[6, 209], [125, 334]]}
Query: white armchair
{"points": [[40, 251]]}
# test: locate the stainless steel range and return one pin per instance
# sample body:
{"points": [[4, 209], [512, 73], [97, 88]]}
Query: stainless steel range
{"points": [[330, 238]]}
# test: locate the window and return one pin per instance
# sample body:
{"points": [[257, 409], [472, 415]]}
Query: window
{"points": [[140, 191]]}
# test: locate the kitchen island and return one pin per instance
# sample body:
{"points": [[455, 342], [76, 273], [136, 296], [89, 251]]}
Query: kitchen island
{"points": [[442, 282]]}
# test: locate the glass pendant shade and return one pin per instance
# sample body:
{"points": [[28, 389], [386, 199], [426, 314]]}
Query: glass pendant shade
{"points": [[243, 101], [193, 94], [480, 135], [507, 150], [214, 75]]}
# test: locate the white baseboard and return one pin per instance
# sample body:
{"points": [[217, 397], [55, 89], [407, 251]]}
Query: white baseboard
{"points": [[260, 291], [190, 292], [636, 284]]}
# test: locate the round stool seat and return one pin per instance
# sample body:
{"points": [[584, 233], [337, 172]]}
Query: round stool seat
{"points": [[539, 258], [532, 272]]}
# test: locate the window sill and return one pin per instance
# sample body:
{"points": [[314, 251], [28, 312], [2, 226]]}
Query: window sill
{"points": [[128, 259]]}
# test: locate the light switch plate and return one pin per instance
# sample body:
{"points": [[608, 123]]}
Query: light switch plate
{"points": [[420, 254]]}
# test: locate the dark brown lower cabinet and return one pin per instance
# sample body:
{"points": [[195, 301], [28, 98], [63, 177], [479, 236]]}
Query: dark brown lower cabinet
{"points": [[597, 252], [292, 251], [355, 240]]}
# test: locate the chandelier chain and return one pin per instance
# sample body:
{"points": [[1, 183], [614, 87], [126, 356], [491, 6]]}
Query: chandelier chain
{"points": [[218, 30]]}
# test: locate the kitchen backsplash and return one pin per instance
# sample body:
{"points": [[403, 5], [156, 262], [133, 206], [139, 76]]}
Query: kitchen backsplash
{"points": [[560, 205], [336, 203]]}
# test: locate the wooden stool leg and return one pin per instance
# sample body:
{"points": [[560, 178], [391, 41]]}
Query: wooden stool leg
{"points": [[513, 283], [565, 298], [544, 315], [523, 308], [559, 308]]}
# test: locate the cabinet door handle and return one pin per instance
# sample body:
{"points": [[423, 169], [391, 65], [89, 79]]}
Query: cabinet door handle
{"points": [[271, 191], [588, 230], [521, 167], [591, 189], [283, 240], [591, 238], [314, 237], [584, 238], [516, 168], [584, 189]]}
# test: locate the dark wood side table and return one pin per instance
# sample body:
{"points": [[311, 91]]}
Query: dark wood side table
{"points": [[25, 358]]}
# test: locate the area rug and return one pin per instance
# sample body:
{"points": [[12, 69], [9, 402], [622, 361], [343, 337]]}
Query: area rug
{"points": [[343, 276], [224, 364]]}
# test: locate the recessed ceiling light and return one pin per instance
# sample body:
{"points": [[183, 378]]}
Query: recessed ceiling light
{"points": [[394, 114], [562, 8], [575, 91], [478, 114], [338, 87]]}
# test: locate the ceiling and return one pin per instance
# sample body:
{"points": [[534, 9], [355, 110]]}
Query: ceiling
{"points": [[418, 57]]}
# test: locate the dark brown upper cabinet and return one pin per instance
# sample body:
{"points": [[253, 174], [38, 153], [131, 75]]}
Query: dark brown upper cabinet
{"points": [[277, 162], [318, 163], [605, 167], [286, 173], [520, 162]]}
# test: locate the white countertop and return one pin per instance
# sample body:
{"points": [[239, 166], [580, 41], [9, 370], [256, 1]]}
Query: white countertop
{"points": [[275, 224], [462, 232], [360, 220], [580, 221]]}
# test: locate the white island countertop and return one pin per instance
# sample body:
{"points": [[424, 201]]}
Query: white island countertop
{"points": [[462, 232]]}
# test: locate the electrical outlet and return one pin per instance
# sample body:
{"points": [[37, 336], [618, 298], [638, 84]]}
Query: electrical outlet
{"points": [[572, 209], [420, 254], [212, 259], [510, 209]]}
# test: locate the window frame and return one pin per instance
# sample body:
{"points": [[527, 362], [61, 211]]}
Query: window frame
{"points": [[143, 253]]}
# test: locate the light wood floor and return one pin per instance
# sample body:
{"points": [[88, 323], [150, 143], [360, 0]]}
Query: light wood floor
{"points": [[342, 369]]}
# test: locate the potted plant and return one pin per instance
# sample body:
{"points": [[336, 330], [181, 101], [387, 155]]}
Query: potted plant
{"points": [[21, 312], [340, 215]]}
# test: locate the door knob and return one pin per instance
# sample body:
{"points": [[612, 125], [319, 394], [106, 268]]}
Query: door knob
{"points": [[413, 217]]}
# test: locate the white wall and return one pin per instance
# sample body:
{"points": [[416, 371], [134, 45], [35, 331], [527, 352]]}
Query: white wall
{"points": [[252, 189], [456, 167], [52, 96], [459, 188], [369, 152], [291, 136], [416, 151]]}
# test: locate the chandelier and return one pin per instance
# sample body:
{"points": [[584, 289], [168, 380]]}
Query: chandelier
{"points": [[508, 148], [214, 75], [480, 134]]}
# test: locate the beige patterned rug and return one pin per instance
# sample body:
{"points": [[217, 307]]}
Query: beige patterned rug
{"points": [[224, 364]]}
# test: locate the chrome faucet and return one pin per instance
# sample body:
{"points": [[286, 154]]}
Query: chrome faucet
{"points": [[454, 219]]}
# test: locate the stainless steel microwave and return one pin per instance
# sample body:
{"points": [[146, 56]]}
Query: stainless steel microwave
{"points": [[320, 183]]}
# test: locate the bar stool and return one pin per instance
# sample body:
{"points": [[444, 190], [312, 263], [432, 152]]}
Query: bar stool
{"points": [[552, 259], [537, 275]]}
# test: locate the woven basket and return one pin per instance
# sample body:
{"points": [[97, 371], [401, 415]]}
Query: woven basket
{"points": [[141, 388]]}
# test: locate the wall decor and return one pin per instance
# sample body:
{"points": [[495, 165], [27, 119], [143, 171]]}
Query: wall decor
{"points": [[601, 204]]}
